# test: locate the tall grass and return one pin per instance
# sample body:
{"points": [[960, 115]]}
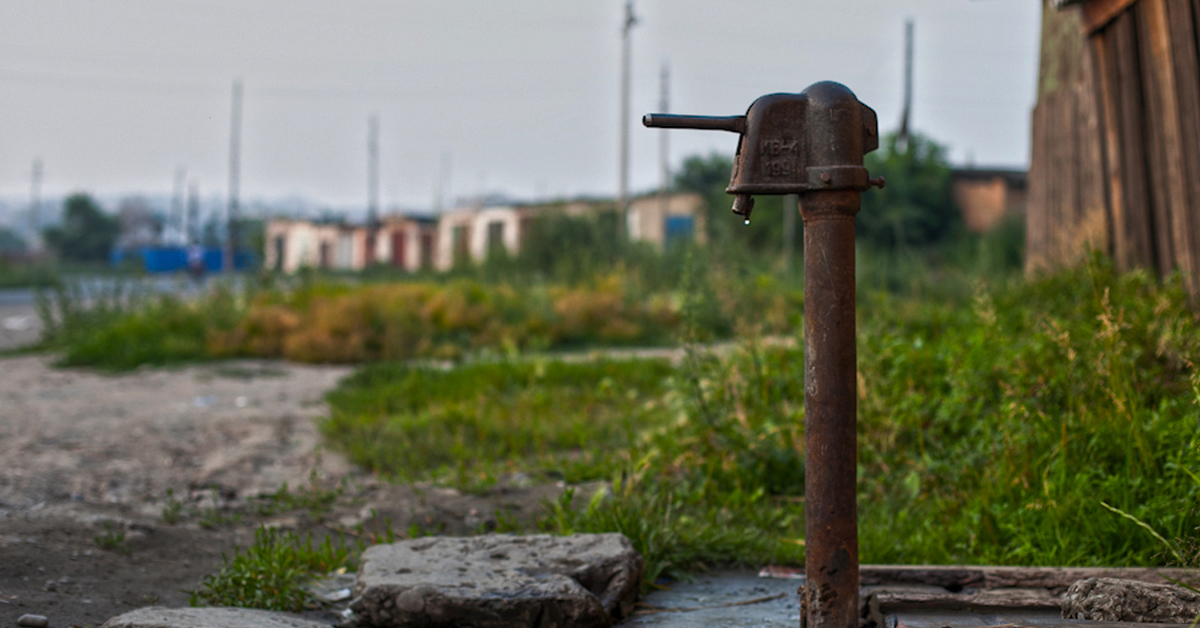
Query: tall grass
{"points": [[470, 425], [1009, 422], [1006, 426], [345, 322]]}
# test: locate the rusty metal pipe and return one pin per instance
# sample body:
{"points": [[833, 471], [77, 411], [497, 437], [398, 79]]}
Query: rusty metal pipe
{"points": [[830, 409], [812, 144], [736, 124]]}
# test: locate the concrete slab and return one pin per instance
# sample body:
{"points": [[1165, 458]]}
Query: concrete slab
{"points": [[496, 581]]}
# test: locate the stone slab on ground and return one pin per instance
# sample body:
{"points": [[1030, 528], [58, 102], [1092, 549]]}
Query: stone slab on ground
{"points": [[1113, 599], [499, 580], [208, 617]]}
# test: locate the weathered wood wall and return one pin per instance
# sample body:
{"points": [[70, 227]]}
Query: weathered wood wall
{"points": [[1115, 161]]}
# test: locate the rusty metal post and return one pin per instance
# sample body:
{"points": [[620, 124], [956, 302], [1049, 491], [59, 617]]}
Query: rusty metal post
{"points": [[830, 407], [812, 144]]}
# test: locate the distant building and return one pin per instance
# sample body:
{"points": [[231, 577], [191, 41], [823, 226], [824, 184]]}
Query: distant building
{"points": [[661, 221], [295, 244], [464, 234], [986, 196], [406, 242], [472, 233]]}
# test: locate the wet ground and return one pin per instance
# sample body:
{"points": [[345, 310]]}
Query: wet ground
{"points": [[727, 598]]}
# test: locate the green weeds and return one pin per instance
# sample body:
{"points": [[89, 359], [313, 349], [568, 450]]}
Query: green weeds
{"points": [[271, 573], [1033, 423], [172, 512], [112, 540], [474, 423]]}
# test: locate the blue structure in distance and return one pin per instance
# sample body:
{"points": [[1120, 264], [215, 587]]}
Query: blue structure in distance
{"points": [[169, 259]]}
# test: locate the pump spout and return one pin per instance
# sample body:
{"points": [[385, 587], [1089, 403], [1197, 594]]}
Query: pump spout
{"points": [[736, 124]]}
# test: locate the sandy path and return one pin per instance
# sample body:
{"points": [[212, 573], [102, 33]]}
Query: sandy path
{"points": [[245, 426]]}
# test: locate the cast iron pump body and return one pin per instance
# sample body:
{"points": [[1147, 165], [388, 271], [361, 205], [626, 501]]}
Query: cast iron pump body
{"points": [[812, 144]]}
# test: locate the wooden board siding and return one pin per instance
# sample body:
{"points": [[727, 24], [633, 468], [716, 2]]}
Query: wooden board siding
{"points": [[1115, 158], [1067, 212], [1184, 36]]}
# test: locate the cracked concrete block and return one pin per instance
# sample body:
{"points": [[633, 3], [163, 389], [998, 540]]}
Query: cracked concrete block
{"points": [[498, 581]]}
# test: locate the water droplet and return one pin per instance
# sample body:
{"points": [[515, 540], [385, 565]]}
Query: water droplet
{"points": [[747, 223]]}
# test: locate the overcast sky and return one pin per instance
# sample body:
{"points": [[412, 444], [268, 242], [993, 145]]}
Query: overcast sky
{"points": [[522, 95]]}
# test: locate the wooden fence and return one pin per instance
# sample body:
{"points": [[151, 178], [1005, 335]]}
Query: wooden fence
{"points": [[1115, 162]]}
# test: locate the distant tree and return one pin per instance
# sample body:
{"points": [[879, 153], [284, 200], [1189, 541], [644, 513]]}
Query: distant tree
{"points": [[917, 206], [10, 242], [570, 248], [708, 176], [139, 225], [87, 233]]}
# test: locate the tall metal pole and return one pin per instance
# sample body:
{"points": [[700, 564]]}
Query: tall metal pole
{"points": [[372, 186], [235, 159], [35, 205], [664, 151], [443, 198], [830, 409], [902, 136], [192, 229], [812, 144], [623, 167], [178, 205]]}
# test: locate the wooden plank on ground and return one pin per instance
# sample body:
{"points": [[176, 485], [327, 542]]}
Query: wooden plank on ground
{"points": [[989, 577], [1158, 128]]}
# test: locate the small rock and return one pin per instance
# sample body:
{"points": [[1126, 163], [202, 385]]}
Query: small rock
{"points": [[333, 588], [1113, 599], [29, 620]]}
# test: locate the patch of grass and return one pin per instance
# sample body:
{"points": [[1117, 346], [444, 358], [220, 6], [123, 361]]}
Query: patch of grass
{"points": [[313, 499], [471, 424], [172, 512], [271, 573], [213, 517], [27, 275], [112, 540]]}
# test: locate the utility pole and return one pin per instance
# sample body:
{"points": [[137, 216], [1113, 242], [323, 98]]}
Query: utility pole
{"points": [[193, 227], [372, 186], [623, 167], [664, 152], [444, 196], [178, 212], [235, 159], [902, 136], [35, 205]]}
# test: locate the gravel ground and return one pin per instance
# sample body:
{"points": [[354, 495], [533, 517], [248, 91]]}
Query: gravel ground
{"points": [[86, 462]]}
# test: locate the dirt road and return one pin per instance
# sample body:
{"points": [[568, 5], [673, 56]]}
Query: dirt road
{"points": [[86, 462]]}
